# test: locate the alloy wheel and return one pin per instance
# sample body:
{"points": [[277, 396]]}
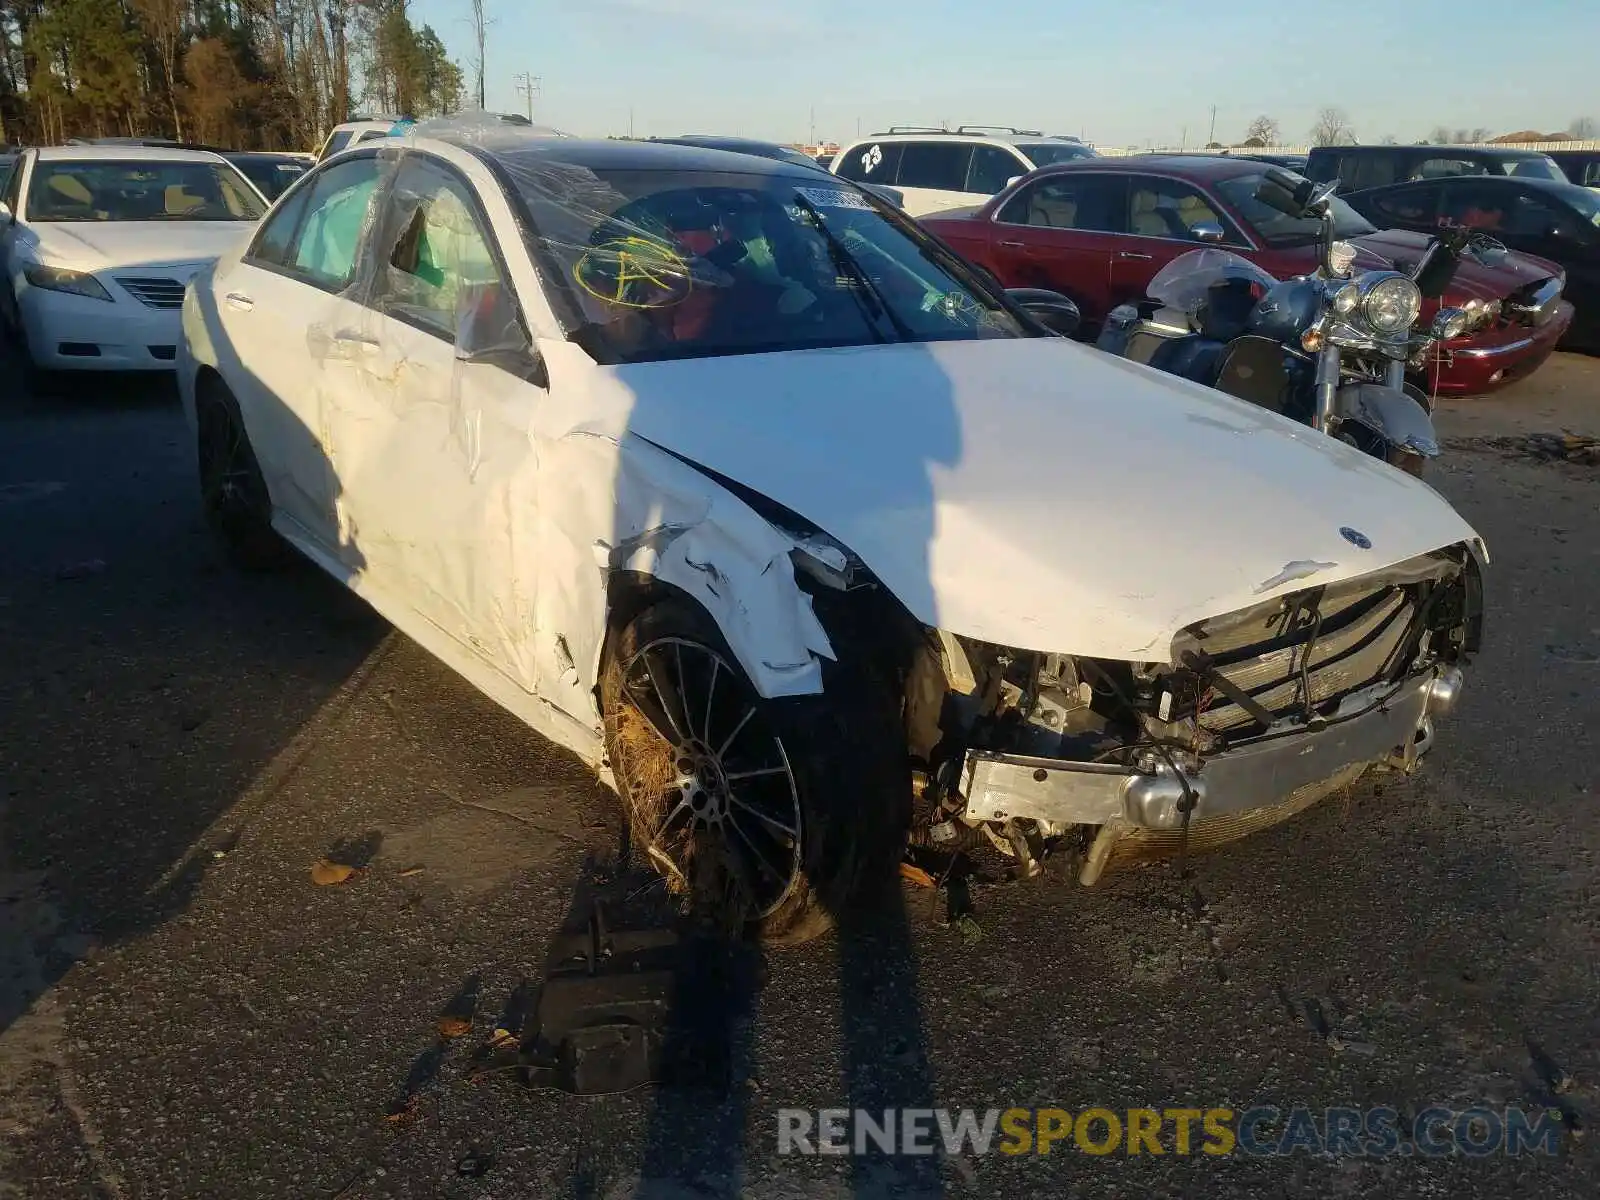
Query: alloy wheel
{"points": [[708, 778]]}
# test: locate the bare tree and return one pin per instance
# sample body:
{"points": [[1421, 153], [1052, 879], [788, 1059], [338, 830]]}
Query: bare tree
{"points": [[1264, 131], [1439, 136], [1332, 128], [1583, 128], [165, 23], [480, 36], [1388, 139]]}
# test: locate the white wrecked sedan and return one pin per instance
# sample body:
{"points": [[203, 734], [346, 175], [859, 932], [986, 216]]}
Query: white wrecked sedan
{"points": [[734, 482]]}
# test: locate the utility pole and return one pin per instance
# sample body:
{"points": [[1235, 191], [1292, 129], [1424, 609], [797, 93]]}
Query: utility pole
{"points": [[1183, 144], [630, 122], [529, 86], [1213, 135], [813, 140]]}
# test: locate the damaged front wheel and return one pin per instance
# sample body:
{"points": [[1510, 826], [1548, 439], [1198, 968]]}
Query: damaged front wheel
{"points": [[739, 801]]}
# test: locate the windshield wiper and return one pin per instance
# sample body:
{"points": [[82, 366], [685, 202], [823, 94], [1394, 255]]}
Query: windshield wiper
{"points": [[867, 293]]}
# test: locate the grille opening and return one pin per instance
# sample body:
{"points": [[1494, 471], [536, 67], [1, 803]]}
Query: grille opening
{"points": [[164, 353], [78, 350], [154, 291]]}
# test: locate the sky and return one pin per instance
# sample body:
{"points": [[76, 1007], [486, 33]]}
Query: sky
{"points": [[1127, 74]]}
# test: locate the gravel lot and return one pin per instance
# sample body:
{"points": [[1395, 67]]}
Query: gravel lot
{"points": [[182, 1013]]}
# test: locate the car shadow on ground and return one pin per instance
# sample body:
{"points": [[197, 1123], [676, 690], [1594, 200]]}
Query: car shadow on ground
{"points": [[146, 689]]}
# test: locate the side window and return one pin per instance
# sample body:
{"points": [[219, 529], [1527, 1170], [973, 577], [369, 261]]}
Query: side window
{"points": [[991, 168], [1093, 203], [1163, 208], [1358, 171], [275, 241], [1589, 173], [1511, 211], [1444, 167], [324, 248], [1479, 206], [435, 265], [1405, 206], [872, 162], [941, 165]]}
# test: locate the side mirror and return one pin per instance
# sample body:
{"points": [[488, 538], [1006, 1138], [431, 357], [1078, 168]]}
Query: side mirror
{"points": [[5, 213], [1054, 311], [1208, 231], [1012, 182]]}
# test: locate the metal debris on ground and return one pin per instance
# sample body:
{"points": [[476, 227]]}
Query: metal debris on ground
{"points": [[1555, 447]]}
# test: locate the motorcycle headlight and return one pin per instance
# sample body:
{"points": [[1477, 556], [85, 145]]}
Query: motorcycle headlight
{"points": [[1346, 299], [1450, 323], [1392, 305], [60, 279], [1491, 312]]}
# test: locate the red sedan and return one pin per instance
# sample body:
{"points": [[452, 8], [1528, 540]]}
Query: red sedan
{"points": [[1098, 230]]}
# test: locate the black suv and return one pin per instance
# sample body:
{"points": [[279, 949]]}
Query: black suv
{"points": [[1581, 166], [1360, 167]]}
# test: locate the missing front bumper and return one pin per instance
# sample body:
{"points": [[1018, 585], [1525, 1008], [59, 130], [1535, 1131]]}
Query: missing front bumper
{"points": [[1368, 728]]}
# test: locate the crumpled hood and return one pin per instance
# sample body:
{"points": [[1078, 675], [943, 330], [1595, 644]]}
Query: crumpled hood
{"points": [[1402, 248], [106, 245], [1036, 493]]}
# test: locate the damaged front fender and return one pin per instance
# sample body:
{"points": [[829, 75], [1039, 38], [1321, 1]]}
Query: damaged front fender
{"points": [[677, 526]]}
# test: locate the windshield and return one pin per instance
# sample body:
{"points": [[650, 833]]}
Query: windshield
{"points": [[674, 264], [1536, 166], [1187, 280], [103, 190], [1279, 229], [1043, 154], [1585, 201]]}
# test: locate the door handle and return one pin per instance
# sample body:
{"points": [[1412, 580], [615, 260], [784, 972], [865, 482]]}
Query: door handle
{"points": [[1133, 254], [240, 301], [1011, 245], [362, 342]]}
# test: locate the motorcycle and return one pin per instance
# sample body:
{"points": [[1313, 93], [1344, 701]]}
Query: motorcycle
{"points": [[1329, 349]]}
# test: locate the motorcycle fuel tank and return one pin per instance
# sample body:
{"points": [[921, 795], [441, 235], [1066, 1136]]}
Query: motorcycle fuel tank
{"points": [[1287, 310]]}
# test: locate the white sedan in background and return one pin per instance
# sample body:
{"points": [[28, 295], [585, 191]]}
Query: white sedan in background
{"points": [[98, 242], [723, 474]]}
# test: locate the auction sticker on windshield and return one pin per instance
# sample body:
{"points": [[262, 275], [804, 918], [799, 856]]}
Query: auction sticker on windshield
{"points": [[833, 198]]}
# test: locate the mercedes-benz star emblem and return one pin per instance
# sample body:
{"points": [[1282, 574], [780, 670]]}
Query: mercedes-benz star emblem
{"points": [[1356, 538]]}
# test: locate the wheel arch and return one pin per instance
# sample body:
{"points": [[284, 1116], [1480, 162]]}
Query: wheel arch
{"points": [[750, 564]]}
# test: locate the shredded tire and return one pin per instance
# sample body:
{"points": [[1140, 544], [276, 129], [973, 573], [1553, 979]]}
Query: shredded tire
{"points": [[843, 749]]}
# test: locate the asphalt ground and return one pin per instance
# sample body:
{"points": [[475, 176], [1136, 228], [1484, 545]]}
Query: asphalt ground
{"points": [[184, 1013]]}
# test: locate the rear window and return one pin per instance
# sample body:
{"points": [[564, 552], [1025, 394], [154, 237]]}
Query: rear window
{"points": [[872, 162]]}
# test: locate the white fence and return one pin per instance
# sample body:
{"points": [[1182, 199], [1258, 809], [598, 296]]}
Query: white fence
{"points": [[1114, 152]]}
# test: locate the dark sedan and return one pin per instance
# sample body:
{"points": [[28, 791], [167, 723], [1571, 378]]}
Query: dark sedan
{"points": [[1557, 221], [773, 150], [1099, 230], [272, 173]]}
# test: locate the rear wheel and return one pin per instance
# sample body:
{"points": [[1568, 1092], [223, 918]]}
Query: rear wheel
{"points": [[770, 816], [233, 493]]}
